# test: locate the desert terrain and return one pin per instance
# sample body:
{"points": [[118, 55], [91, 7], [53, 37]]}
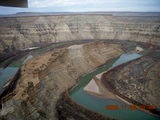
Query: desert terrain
{"points": [[88, 42]]}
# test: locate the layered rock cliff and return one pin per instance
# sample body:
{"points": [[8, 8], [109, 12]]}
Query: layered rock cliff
{"points": [[22, 32], [47, 76]]}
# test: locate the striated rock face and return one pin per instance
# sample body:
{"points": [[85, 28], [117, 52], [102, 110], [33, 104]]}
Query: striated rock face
{"points": [[23, 32], [46, 77]]}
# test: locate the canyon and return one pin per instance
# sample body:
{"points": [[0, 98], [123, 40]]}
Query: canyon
{"points": [[18, 33], [88, 42], [46, 77]]}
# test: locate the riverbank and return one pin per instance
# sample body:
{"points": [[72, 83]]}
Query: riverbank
{"points": [[8, 87], [84, 98], [110, 84], [95, 87], [42, 78], [107, 93], [69, 109]]}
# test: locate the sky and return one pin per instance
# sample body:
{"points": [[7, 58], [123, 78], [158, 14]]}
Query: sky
{"points": [[85, 6]]}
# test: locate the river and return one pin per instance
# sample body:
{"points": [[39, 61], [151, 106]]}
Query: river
{"points": [[98, 104], [91, 102], [6, 75]]}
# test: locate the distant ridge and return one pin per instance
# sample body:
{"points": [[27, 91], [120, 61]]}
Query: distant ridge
{"points": [[145, 14]]}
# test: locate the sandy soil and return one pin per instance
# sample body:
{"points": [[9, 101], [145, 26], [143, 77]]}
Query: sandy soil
{"points": [[92, 87], [96, 87]]}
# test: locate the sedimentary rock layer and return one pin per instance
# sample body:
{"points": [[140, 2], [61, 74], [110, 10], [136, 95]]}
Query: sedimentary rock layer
{"points": [[22, 32]]}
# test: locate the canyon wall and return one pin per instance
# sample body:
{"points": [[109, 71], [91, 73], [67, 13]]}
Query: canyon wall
{"points": [[18, 33]]}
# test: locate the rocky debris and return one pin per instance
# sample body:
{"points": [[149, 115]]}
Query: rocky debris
{"points": [[21, 110]]}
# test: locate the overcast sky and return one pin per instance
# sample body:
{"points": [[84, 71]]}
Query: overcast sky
{"points": [[85, 6]]}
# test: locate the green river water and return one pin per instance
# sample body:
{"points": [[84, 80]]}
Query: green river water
{"points": [[99, 104], [91, 102]]}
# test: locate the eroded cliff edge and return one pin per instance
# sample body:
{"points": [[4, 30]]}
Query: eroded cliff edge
{"points": [[17, 33]]}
